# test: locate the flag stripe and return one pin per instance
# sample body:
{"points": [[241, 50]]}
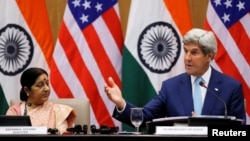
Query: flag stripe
{"points": [[4, 104], [99, 53], [111, 19], [241, 40], [174, 7], [57, 79], [44, 31], [63, 89], [110, 47], [245, 21]]}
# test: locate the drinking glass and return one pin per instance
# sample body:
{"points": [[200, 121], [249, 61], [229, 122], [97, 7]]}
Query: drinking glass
{"points": [[136, 117]]}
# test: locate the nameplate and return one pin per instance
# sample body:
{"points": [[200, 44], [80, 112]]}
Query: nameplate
{"points": [[181, 130], [23, 130]]}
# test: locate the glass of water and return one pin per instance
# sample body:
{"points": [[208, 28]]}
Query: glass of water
{"points": [[136, 118]]}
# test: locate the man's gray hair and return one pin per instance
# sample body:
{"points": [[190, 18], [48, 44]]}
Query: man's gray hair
{"points": [[205, 39]]}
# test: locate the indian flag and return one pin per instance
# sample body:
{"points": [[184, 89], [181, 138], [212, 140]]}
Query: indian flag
{"points": [[153, 48], [25, 41]]}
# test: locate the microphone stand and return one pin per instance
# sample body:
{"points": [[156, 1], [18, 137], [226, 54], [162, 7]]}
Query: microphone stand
{"points": [[25, 109], [202, 84]]}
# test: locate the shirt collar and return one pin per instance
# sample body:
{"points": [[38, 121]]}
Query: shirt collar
{"points": [[205, 76]]}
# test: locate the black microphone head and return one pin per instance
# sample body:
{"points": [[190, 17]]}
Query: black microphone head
{"points": [[78, 127], [53, 130], [202, 84]]}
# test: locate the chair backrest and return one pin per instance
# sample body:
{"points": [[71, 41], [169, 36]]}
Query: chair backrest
{"points": [[81, 106]]}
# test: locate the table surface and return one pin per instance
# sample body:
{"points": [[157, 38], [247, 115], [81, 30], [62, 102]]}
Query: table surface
{"points": [[101, 137]]}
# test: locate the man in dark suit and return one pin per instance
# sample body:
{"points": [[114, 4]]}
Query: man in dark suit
{"points": [[176, 95]]}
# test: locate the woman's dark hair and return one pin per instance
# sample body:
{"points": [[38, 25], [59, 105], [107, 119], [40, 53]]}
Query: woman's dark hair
{"points": [[28, 78]]}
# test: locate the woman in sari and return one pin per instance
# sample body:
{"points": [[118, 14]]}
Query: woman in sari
{"points": [[34, 97]]}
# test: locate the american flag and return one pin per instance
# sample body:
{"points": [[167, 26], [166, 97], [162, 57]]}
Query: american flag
{"points": [[230, 21], [88, 50]]}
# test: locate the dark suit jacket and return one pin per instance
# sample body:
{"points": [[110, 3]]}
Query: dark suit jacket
{"points": [[175, 99]]}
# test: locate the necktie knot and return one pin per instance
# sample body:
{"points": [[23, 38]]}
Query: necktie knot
{"points": [[197, 80]]}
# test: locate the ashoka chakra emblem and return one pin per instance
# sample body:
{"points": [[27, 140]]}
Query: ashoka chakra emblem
{"points": [[16, 49], [159, 47]]}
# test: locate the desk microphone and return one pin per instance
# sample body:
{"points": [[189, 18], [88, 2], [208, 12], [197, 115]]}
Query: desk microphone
{"points": [[25, 108], [202, 84], [77, 129]]}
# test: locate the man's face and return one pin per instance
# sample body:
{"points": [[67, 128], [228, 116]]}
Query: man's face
{"points": [[196, 63]]}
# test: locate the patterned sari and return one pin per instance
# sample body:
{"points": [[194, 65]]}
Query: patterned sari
{"points": [[49, 114]]}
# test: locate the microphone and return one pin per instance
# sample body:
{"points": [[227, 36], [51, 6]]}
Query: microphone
{"points": [[25, 108], [53, 131], [77, 129], [202, 84]]}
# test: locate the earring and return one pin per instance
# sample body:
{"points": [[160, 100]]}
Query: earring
{"points": [[28, 95]]}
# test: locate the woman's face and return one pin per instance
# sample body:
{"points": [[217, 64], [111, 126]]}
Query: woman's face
{"points": [[39, 91]]}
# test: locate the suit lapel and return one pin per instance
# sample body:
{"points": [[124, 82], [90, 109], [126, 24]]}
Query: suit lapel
{"points": [[215, 86], [186, 94]]}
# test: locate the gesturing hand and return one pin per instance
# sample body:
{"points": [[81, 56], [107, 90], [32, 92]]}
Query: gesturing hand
{"points": [[114, 93]]}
